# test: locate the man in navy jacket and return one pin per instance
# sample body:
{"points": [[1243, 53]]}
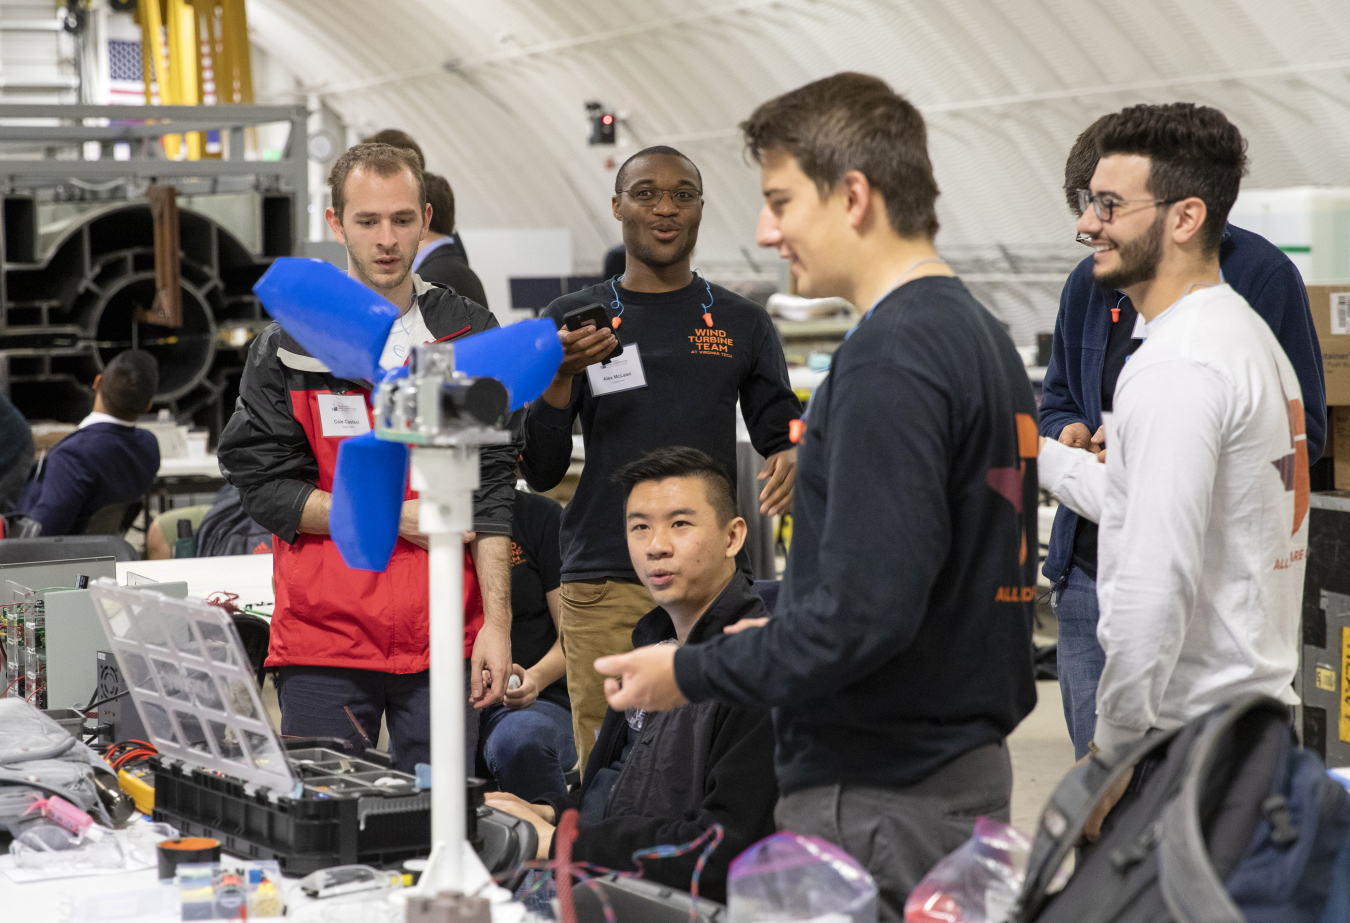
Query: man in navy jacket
{"points": [[107, 460], [1094, 337]]}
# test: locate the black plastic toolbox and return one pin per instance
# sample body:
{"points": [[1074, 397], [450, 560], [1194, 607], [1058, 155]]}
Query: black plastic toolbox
{"points": [[336, 820]]}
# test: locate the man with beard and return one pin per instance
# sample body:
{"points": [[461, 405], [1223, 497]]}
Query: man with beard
{"points": [[1202, 501], [1095, 333], [351, 646], [692, 349]]}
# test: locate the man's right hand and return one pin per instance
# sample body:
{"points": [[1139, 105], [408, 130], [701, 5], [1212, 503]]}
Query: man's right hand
{"points": [[582, 347], [407, 524]]}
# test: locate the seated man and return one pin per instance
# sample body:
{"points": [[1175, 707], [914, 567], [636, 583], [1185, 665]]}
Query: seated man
{"points": [[527, 740], [664, 778], [107, 460]]}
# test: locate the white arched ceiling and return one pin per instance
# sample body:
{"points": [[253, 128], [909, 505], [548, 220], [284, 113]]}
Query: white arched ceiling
{"points": [[494, 92]]}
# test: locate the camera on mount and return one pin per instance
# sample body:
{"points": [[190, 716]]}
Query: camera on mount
{"points": [[429, 403]]}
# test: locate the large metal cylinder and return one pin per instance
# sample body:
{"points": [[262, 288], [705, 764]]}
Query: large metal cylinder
{"points": [[67, 315]]}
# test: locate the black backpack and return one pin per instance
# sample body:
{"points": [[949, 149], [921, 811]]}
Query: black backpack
{"points": [[1226, 821]]}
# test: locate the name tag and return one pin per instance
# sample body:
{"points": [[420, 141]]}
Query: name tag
{"points": [[343, 415], [622, 374]]}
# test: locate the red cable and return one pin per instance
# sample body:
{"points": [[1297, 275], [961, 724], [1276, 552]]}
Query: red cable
{"points": [[563, 838]]}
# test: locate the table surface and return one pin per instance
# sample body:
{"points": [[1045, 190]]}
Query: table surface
{"points": [[249, 575], [203, 466]]}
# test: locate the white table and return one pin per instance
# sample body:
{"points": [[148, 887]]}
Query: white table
{"points": [[205, 466], [249, 575]]}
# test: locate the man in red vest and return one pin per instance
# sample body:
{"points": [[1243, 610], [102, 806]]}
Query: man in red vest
{"points": [[350, 646]]}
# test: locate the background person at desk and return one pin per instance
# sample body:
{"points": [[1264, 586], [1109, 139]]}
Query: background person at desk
{"points": [[107, 460], [700, 348]]}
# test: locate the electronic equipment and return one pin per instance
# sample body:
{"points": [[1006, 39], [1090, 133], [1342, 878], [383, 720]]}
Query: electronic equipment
{"points": [[119, 715], [603, 124], [598, 315]]}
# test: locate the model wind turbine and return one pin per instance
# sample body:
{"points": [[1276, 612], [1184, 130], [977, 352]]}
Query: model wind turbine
{"points": [[448, 401]]}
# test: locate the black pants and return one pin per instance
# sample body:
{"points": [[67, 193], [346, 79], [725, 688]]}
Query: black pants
{"points": [[898, 834], [314, 702]]}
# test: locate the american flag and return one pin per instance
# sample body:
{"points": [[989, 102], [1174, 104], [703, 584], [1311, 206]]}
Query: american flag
{"points": [[125, 85]]}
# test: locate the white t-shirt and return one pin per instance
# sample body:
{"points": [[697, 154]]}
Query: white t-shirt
{"points": [[1202, 506], [408, 331]]}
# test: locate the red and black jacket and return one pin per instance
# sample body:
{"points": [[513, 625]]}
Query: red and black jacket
{"points": [[274, 451]]}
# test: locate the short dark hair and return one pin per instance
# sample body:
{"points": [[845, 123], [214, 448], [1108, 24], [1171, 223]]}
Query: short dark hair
{"points": [[854, 122], [659, 150], [442, 199], [129, 383], [1194, 151], [680, 461], [384, 159], [397, 137], [1081, 164]]}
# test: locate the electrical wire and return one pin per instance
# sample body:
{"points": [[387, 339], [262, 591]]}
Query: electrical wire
{"points": [[563, 869]]}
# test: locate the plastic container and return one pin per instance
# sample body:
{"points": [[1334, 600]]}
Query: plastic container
{"points": [[353, 821]]}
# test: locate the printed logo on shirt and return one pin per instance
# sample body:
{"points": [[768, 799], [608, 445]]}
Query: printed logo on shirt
{"points": [[1008, 482], [710, 343], [517, 554], [1293, 468]]}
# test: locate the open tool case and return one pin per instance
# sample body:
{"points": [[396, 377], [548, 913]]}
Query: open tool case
{"points": [[222, 772]]}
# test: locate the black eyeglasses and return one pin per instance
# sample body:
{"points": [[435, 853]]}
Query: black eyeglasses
{"points": [[1105, 207], [651, 196]]}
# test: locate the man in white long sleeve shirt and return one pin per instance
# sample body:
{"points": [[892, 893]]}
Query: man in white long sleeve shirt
{"points": [[1203, 496]]}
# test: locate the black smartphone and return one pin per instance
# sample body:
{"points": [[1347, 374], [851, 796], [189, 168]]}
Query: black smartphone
{"points": [[596, 314]]}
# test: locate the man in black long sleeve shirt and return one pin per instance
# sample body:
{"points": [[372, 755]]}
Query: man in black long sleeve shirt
{"points": [[900, 656], [700, 349]]}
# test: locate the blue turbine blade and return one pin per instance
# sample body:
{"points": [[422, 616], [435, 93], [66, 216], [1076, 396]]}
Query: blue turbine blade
{"points": [[523, 356], [367, 500], [339, 321]]}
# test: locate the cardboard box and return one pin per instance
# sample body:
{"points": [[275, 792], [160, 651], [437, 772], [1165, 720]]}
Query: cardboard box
{"points": [[1331, 317]]}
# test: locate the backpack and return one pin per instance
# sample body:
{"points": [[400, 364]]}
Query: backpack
{"points": [[1225, 821]]}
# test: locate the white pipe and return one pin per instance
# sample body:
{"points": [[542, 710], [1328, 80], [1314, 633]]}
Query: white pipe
{"points": [[446, 577], [445, 479]]}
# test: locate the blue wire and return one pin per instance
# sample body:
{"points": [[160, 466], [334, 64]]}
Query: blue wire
{"points": [[616, 303]]}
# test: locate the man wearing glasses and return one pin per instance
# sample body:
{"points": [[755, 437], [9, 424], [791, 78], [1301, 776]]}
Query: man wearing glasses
{"points": [[691, 350], [1097, 330]]}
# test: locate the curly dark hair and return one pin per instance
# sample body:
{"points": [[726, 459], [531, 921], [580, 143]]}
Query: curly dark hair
{"points": [[1194, 152]]}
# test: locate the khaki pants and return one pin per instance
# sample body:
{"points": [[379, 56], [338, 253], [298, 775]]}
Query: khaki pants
{"points": [[598, 618]]}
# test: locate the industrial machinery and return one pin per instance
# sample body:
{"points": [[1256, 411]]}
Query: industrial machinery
{"points": [[99, 258]]}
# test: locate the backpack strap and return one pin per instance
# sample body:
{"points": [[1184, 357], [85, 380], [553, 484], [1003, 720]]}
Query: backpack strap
{"points": [[1190, 886], [1064, 817]]}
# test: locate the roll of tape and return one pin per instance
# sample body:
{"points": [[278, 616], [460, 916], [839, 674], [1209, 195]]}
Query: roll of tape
{"points": [[173, 853]]}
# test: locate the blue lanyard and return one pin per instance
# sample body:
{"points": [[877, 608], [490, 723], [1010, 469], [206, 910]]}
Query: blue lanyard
{"points": [[617, 306]]}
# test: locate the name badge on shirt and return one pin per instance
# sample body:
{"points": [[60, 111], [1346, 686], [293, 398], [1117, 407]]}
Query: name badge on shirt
{"points": [[622, 374], [343, 415]]}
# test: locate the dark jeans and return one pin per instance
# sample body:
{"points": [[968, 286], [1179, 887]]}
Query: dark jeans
{"points": [[529, 750], [898, 834], [1080, 658], [313, 702]]}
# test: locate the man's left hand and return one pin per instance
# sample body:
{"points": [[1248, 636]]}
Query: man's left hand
{"points": [[646, 679], [492, 652], [522, 696], [780, 469]]}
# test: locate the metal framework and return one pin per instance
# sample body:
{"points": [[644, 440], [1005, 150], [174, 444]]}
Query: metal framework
{"points": [[146, 125]]}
